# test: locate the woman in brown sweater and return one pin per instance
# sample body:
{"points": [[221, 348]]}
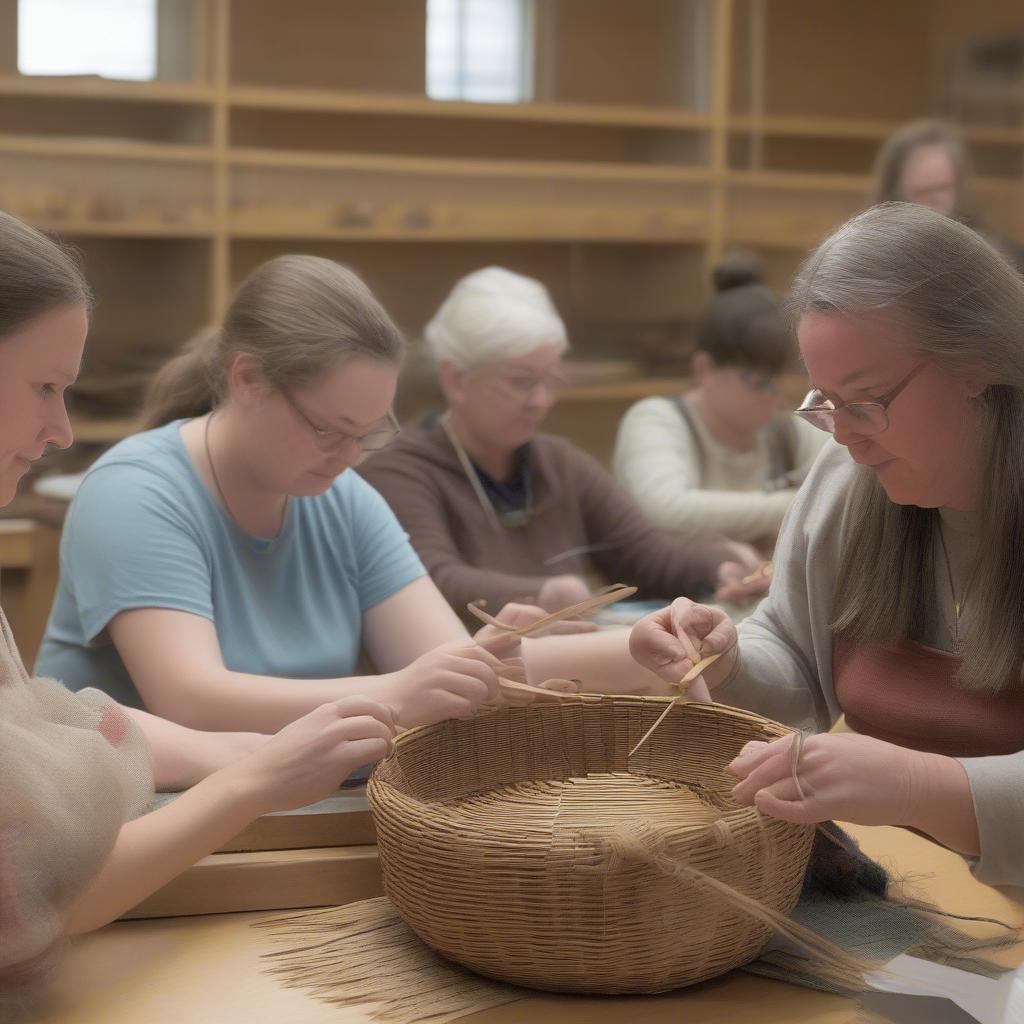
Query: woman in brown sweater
{"points": [[499, 512]]}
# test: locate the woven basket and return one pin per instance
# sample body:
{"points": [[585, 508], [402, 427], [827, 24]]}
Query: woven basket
{"points": [[528, 846]]}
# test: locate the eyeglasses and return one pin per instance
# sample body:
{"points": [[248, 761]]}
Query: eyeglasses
{"points": [[867, 417], [522, 386], [332, 440]]}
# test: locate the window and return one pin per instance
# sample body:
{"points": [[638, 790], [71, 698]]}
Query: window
{"points": [[112, 38], [479, 50]]}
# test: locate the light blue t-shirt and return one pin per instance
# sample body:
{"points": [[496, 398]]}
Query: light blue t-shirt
{"points": [[144, 532]]}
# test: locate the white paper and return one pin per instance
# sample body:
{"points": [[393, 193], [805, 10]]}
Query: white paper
{"points": [[989, 1001]]}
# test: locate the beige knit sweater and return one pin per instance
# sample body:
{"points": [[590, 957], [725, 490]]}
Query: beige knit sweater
{"points": [[74, 769]]}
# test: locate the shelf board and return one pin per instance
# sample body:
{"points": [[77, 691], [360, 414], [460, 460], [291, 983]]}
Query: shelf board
{"points": [[856, 129], [247, 233], [396, 104], [794, 386], [268, 880], [106, 149], [625, 390], [981, 91], [470, 168], [821, 181], [802, 181], [811, 127], [91, 430], [109, 431], [117, 229], [91, 87]]}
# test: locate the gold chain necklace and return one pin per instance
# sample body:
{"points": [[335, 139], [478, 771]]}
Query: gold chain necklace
{"points": [[958, 643]]}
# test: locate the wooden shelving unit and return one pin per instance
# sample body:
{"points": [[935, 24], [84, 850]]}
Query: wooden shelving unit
{"points": [[662, 133]]}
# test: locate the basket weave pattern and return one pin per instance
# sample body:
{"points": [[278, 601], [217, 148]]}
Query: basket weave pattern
{"points": [[527, 845]]}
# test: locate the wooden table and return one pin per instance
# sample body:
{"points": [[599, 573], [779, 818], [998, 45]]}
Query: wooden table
{"points": [[207, 969]]}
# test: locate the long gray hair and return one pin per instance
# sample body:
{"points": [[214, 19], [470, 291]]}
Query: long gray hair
{"points": [[963, 305]]}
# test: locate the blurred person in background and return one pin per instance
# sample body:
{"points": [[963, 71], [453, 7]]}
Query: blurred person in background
{"points": [[926, 162], [721, 458], [500, 512]]}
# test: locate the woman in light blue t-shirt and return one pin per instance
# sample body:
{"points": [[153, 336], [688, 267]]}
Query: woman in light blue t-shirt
{"points": [[222, 569]]}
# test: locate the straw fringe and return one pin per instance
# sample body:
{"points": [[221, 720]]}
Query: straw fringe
{"points": [[640, 842], [363, 955]]}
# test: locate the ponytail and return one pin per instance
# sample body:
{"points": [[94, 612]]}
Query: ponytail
{"points": [[187, 386]]}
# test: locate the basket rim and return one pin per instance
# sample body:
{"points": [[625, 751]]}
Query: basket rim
{"points": [[421, 809], [729, 710]]}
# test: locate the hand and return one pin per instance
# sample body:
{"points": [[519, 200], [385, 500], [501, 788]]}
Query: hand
{"points": [[739, 587], [514, 614], [308, 759], [514, 671], [559, 592], [744, 555], [843, 776], [451, 681], [507, 647], [672, 640]]}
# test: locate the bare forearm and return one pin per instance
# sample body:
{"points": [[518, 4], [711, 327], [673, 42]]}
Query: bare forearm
{"points": [[152, 850], [183, 756], [944, 806], [263, 704], [600, 661]]}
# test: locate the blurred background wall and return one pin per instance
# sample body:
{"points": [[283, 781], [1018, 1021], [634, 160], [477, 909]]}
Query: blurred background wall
{"points": [[613, 149]]}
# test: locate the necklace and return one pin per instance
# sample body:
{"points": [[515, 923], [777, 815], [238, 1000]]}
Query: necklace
{"points": [[958, 643], [213, 469], [267, 543], [518, 517]]}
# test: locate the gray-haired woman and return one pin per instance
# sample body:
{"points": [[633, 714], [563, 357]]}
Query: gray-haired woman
{"points": [[899, 591]]}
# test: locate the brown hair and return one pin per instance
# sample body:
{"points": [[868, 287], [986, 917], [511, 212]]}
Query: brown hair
{"points": [[893, 154], [743, 324], [297, 315], [963, 304], [36, 275]]}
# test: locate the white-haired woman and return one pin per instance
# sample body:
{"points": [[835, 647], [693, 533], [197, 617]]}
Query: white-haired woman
{"points": [[499, 512], [898, 596]]}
